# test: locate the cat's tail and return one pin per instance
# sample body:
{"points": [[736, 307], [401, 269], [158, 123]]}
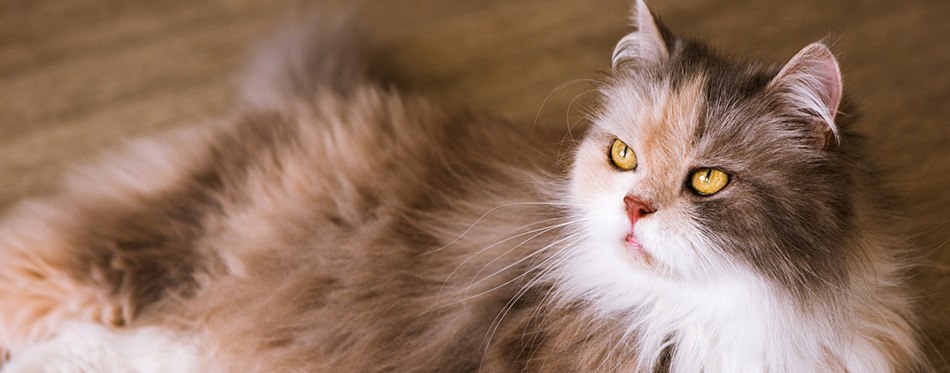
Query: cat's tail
{"points": [[318, 53]]}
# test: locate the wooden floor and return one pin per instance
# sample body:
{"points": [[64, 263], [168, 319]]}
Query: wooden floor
{"points": [[80, 76]]}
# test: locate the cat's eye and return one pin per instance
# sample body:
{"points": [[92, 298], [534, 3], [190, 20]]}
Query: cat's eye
{"points": [[622, 157], [708, 181]]}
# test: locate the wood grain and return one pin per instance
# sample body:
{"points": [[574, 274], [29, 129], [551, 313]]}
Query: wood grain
{"points": [[80, 76]]}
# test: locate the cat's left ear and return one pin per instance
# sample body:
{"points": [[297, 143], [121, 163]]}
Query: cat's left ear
{"points": [[812, 82], [645, 46]]}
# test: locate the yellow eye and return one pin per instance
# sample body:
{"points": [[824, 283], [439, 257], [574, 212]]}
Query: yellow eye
{"points": [[708, 181], [622, 157]]}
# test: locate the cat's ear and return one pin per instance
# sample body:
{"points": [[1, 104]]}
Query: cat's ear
{"points": [[644, 46], [812, 82]]}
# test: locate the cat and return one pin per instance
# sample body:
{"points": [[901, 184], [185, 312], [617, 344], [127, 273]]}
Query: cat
{"points": [[717, 216]]}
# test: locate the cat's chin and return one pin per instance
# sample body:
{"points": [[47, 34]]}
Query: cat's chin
{"points": [[637, 252]]}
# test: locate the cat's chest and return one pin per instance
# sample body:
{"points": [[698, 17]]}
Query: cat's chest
{"points": [[725, 327]]}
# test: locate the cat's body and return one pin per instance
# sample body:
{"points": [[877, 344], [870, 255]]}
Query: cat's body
{"points": [[334, 225]]}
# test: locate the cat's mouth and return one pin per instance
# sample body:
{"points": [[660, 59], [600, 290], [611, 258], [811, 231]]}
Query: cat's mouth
{"points": [[635, 248]]}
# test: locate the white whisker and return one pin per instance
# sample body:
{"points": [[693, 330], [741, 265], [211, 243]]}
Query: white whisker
{"points": [[568, 114], [543, 229], [513, 249], [493, 209], [548, 97], [524, 273], [496, 323], [536, 252]]}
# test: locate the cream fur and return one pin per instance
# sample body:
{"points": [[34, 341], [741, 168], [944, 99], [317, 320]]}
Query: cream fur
{"points": [[83, 347]]}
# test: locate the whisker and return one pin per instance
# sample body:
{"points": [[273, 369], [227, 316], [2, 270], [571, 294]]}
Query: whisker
{"points": [[467, 297], [546, 98], [545, 229], [555, 242], [568, 114], [514, 248], [496, 324], [493, 209], [546, 298]]}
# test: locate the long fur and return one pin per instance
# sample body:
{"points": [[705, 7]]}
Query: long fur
{"points": [[330, 224]]}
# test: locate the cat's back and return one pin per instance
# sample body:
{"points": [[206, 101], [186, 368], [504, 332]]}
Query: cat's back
{"points": [[327, 222], [327, 217], [345, 165]]}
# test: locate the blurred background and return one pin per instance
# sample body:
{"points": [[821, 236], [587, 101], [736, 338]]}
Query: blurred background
{"points": [[80, 76]]}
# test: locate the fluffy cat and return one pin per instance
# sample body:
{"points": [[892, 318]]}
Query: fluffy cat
{"points": [[717, 216]]}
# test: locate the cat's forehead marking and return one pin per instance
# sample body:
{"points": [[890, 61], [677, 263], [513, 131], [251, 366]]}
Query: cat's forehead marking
{"points": [[665, 132]]}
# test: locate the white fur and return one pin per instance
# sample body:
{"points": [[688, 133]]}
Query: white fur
{"points": [[722, 319], [87, 347]]}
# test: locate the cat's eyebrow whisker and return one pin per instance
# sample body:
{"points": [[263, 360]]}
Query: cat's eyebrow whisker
{"points": [[569, 134], [584, 116], [568, 113], [588, 113], [548, 97], [493, 209], [576, 122]]}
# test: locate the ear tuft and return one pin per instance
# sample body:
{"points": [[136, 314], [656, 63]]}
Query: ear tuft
{"points": [[812, 81], [645, 45]]}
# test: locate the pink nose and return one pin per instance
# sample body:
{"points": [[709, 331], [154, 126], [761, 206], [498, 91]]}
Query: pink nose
{"points": [[637, 208]]}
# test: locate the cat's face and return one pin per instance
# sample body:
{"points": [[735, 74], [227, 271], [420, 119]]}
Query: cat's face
{"points": [[648, 214], [698, 171], [716, 192]]}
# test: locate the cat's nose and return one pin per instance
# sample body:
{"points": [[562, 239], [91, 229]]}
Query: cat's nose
{"points": [[637, 208]]}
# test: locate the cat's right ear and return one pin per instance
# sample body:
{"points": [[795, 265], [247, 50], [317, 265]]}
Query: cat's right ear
{"points": [[645, 46], [811, 81]]}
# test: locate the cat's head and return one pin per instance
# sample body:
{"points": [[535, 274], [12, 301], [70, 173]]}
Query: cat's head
{"points": [[698, 169]]}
